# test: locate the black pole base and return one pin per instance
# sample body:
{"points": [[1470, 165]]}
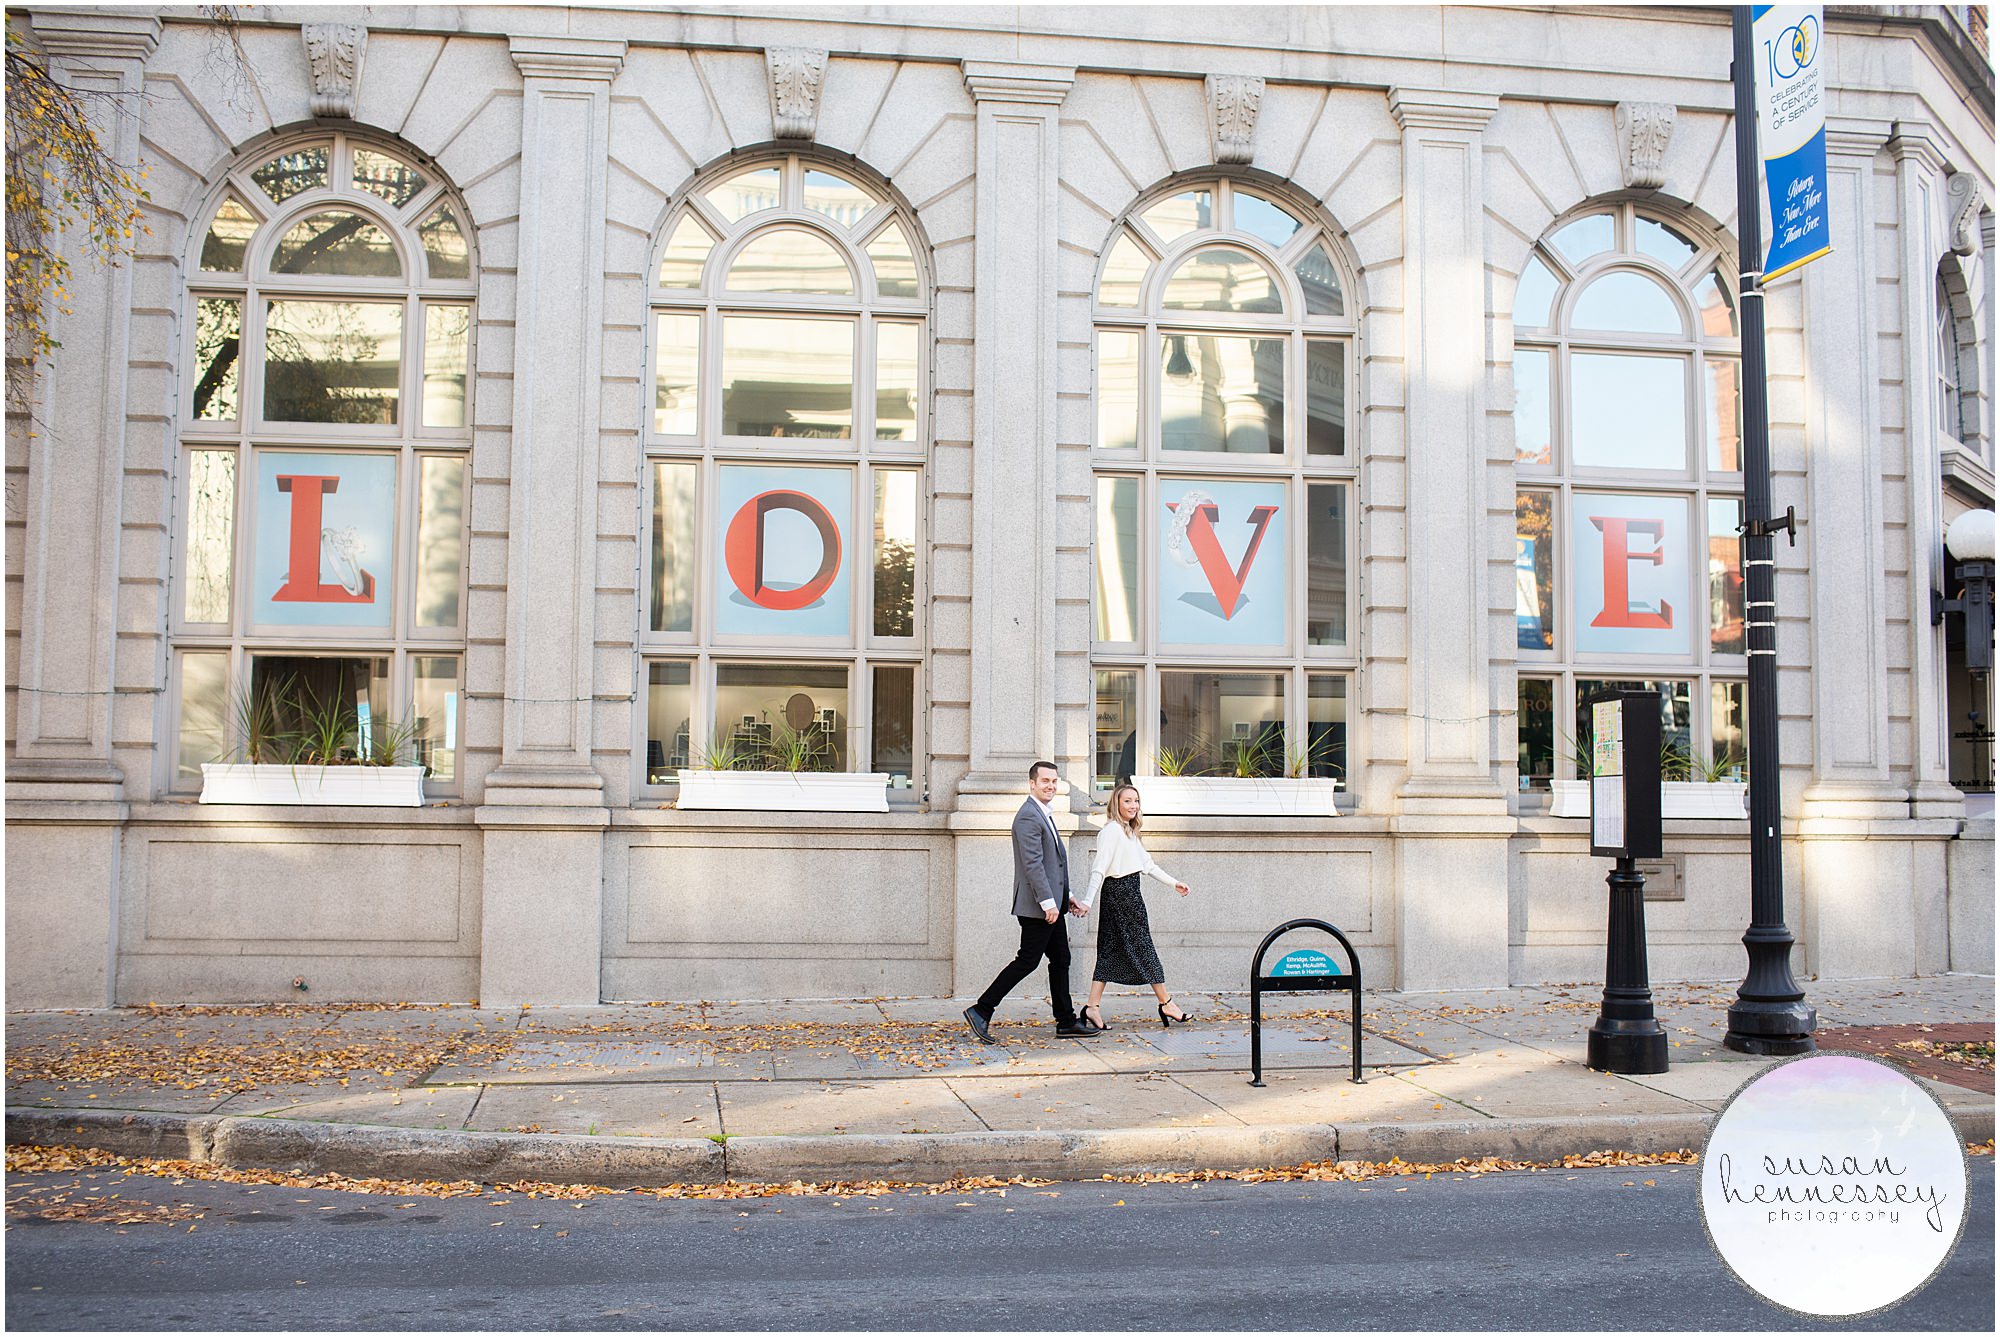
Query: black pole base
{"points": [[1771, 1029], [1629, 1048]]}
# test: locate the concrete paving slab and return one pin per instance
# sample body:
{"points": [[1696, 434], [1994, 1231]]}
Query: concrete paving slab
{"points": [[921, 1104], [113, 1095], [1317, 1097], [432, 1020], [634, 1109], [1509, 1086], [1936, 998], [931, 1061], [824, 1012], [274, 1097], [1707, 1084], [25, 1028], [419, 1107], [538, 1060], [1043, 1104]]}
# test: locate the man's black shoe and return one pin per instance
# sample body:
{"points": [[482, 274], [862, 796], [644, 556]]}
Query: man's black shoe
{"points": [[1078, 1028], [978, 1024]]}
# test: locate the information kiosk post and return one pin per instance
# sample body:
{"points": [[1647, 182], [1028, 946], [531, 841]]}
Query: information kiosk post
{"points": [[1625, 825]]}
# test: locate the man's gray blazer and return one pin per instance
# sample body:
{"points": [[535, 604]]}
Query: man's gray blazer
{"points": [[1041, 864]]}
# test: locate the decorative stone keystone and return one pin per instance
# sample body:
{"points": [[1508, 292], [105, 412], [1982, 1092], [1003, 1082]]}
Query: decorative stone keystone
{"points": [[796, 75], [334, 52], [1644, 131], [1233, 101], [1963, 192]]}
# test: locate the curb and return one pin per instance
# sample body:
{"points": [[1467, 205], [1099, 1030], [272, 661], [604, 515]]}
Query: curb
{"points": [[375, 1152]]}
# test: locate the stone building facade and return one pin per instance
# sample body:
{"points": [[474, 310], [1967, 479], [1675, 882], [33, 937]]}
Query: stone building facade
{"points": [[1330, 400]]}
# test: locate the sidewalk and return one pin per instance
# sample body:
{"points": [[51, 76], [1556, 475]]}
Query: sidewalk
{"points": [[898, 1089]]}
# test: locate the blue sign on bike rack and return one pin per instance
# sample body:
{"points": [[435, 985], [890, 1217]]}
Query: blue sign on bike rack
{"points": [[1302, 971]]}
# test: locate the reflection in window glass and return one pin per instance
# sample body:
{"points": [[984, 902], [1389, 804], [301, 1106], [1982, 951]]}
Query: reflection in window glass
{"points": [[892, 723], [435, 678], [1124, 273], [1534, 571], [218, 354], [1628, 412], [1722, 405], [895, 266], [447, 339], [335, 362], [1729, 730], [1584, 238], [1664, 244], [790, 260], [349, 691], [204, 733], [1321, 282], [1117, 389], [896, 381], [1626, 301], [211, 523], [1262, 219], [444, 246], [228, 236], [1224, 723], [1221, 279], [1676, 714], [839, 199], [676, 373], [1532, 440], [1117, 559], [1326, 564], [440, 539], [290, 173], [1180, 215], [391, 178], [1718, 307], [670, 744], [1725, 576], [1326, 397], [686, 254], [1536, 732], [1117, 728], [785, 714], [1533, 297], [1325, 751], [1222, 392], [740, 196], [895, 552], [787, 378], [673, 546], [337, 243]]}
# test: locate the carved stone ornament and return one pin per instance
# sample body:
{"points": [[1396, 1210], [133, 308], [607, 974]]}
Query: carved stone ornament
{"points": [[1963, 192], [1644, 131], [1233, 100], [334, 51], [796, 74]]}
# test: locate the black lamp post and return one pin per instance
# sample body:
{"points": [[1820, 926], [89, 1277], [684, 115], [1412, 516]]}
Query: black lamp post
{"points": [[1970, 539]]}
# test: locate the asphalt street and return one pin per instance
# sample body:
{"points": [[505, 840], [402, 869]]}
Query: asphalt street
{"points": [[1584, 1249]]}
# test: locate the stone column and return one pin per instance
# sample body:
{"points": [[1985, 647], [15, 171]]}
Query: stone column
{"points": [[1919, 211], [65, 794], [1451, 820], [1014, 486], [543, 812]]}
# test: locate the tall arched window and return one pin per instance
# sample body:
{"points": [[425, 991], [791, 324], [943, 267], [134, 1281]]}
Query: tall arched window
{"points": [[1225, 472], [1629, 468], [320, 498], [784, 479], [1950, 410]]}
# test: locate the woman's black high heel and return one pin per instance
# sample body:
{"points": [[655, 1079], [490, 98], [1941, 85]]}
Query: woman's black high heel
{"points": [[1095, 1017], [1171, 1022]]}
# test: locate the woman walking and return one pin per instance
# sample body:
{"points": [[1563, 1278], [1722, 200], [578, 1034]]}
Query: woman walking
{"points": [[1125, 952]]}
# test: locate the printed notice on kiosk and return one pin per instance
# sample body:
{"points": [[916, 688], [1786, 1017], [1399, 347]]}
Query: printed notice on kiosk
{"points": [[1607, 776]]}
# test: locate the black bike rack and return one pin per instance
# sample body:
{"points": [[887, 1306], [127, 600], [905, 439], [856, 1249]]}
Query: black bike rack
{"points": [[1261, 984]]}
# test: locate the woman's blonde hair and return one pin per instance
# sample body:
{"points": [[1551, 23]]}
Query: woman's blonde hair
{"points": [[1118, 817]]}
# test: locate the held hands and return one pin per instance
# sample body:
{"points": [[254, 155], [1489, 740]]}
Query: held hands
{"points": [[1078, 908]]}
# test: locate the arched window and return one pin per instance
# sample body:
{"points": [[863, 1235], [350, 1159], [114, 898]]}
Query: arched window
{"points": [[1225, 474], [1950, 408], [320, 496], [784, 478], [1629, 469]]}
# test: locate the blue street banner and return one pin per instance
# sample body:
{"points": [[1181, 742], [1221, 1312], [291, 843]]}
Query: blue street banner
{"points": [[1791, 131]]}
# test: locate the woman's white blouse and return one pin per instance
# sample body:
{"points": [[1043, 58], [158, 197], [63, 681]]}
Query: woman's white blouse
{"points": [[1118, 853]]}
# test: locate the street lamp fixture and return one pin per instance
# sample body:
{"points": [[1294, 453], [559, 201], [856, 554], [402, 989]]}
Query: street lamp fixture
{"points": [[1970, 539]]}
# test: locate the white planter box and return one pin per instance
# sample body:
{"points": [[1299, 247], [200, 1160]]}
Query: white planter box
{"points": [[785, 791], [332, 786], [1678, 798], [1229, 796]]}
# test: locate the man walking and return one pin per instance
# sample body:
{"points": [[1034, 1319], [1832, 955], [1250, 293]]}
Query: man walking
{"points": [[1041, 891]]}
